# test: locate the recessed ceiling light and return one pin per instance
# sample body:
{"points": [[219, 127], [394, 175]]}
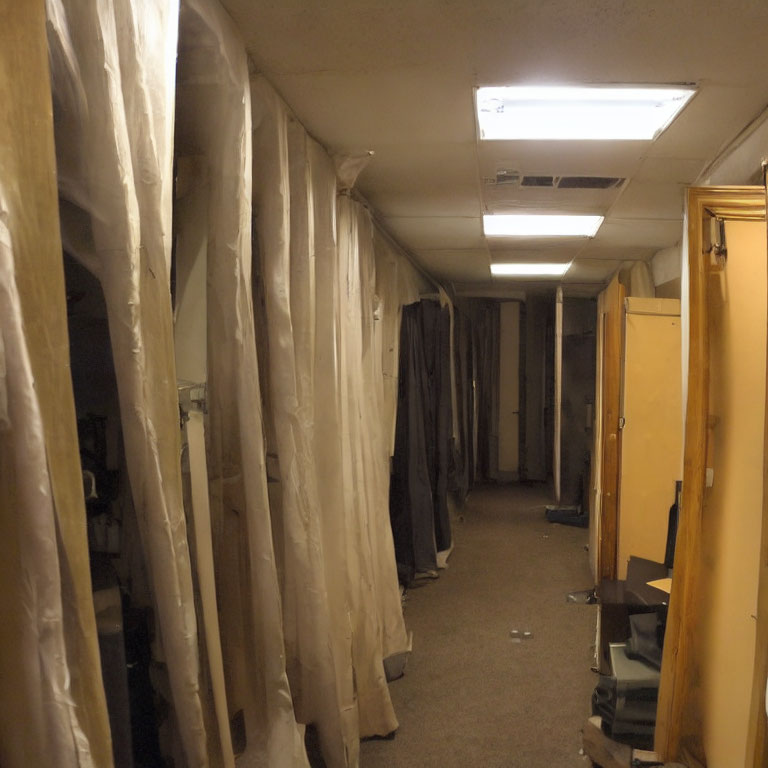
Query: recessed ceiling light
{"points": [[529, 270], [540, 225], [578, 113]]}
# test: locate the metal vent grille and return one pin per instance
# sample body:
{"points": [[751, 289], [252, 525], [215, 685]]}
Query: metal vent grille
{"points": [[538, 181], [589, 182], [507, 177]]}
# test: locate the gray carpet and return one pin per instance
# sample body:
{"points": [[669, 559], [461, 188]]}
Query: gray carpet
{"points": [[471, 696]]}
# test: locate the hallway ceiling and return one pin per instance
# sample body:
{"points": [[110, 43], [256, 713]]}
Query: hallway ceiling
{"points": [[397, 78]]}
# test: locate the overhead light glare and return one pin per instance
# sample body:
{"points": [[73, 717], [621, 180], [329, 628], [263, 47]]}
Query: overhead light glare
{"points": [[578, 113], [540, 225], [529, 270]]}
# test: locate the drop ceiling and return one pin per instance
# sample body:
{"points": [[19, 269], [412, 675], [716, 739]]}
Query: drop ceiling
{"points": [[397, 78]]}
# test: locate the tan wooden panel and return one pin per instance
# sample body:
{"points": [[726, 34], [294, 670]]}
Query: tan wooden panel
{"points": [[733, 506], [652, 436], [679, 719]]}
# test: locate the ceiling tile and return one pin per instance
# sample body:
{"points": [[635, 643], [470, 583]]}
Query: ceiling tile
{"points": [[397, 78], [681, 170], [591, 270], [434, 232], [562, 158], [456, 265], [650, 200], [595, 250], [641, 233]]}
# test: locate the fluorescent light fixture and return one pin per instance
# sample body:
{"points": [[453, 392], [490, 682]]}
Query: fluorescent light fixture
{"points": [[529, 270], [578, 113], [540, 225]]}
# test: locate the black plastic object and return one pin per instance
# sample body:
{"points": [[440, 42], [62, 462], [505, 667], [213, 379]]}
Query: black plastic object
{"points": [[646, 639], [674, 516], [568, 516]]}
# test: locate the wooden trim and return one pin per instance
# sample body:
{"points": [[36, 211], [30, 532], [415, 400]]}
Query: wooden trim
{"points": [[614, 307], [674, 723], [757, 738]]}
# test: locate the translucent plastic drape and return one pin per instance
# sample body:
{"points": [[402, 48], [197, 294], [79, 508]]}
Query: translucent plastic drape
{"points": [[114, 82], [313, 649], [327, 394], [215, 126], [397, 284], [51, 694], [374, 434], [48, 712], [375, 600]]}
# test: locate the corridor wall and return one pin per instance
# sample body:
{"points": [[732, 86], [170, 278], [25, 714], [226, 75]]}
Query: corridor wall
{"points": [[509, 390], [577, 400]]}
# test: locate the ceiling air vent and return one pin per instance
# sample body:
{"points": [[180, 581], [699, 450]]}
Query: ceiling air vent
{"points": [[538, 181], [589, 182], [504, 176]]}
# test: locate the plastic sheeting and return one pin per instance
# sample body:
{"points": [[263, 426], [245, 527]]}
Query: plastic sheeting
{"points": [[341, 601], [378, 629], [114, 69], [51, 694], [313, 653], [54, 709], [214, 125], [397, 284]]}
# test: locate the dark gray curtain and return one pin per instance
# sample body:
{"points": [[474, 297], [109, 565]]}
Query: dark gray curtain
{"points": [[422, 458]]}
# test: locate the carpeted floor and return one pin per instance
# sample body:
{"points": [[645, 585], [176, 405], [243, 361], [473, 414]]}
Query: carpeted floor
{"points": [[471, 697]]}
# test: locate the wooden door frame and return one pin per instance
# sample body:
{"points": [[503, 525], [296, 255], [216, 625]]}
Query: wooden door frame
{"points": [[679, 665]]}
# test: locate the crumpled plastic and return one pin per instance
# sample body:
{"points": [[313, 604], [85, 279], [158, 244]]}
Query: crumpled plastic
{"points": [[114, 88], [35, 681], [214, 129], [51, 694], [340, 589]]}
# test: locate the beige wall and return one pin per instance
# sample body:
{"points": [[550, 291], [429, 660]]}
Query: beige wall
{"points": [[733, 506], [509, 388]]}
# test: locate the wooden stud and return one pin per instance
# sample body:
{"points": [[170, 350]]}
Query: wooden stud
{"points": [[611, 442]]}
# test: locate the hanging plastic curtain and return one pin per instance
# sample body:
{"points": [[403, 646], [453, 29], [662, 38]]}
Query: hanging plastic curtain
{"points": [[376, 611], [313, 648], [340, 585], [114, 79], [397, 284], [214, 126], [52, 699], [46, 604]]}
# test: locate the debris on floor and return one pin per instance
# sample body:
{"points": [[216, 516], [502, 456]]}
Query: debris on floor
{"points": [[582, 596]]}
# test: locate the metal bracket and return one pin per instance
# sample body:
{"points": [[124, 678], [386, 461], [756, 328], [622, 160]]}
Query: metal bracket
{"points": [[192, 397], [719, 246]]}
